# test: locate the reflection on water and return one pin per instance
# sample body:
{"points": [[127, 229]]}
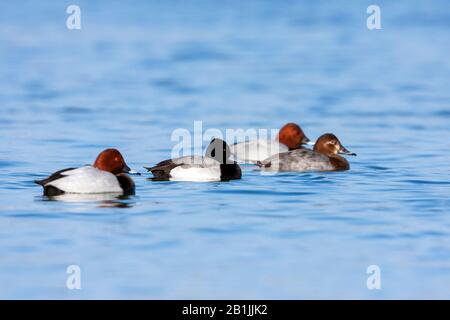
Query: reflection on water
{"points": [[104, 200], [134, 73]]}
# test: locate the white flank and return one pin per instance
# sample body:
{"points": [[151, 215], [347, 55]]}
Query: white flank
{"points": [[87, 180], [257, 150], [197, 173]]}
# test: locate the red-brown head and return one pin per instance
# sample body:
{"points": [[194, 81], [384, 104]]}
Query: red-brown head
{"points": [[292, 136], [111, 160], [328, 144]]}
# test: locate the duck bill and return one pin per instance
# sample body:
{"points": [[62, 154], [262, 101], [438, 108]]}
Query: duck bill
{"points": [[346, 152], [127, 169], [305, 140]]}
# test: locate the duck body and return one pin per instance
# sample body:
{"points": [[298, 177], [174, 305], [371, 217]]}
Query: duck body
{"points": [[86, 179], [290, 137], [195, 168], [210, 167], [303, 160], [107, 175], [257, 150], [324, 157]]}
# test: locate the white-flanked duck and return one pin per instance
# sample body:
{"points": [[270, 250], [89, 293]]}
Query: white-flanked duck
{"points": [[290, 137], [108, 174], [214, 166]]}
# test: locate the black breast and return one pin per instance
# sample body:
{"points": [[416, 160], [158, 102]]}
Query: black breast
{"points": [[230, 171], [126, 183]]}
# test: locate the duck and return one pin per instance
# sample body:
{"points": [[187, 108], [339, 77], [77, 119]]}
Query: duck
{"points": [[216, 165], [325, 156], [108, 174], [290, 137]]}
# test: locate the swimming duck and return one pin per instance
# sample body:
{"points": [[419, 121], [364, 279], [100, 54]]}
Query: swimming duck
{"points": [[214, 166], [324, 157], [290, 137], [108, 174]]}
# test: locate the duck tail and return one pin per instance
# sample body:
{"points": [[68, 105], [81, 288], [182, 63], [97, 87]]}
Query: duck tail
{"points": [[39, 182], [263, 165]]}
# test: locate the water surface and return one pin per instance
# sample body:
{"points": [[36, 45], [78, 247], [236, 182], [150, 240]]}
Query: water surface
{"points": [[134, 73]]}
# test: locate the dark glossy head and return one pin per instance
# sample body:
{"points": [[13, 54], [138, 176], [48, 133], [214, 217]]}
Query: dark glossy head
{"points": [[218, 150]]}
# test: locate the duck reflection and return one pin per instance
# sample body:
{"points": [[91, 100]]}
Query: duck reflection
{"points": [[104, 200]]}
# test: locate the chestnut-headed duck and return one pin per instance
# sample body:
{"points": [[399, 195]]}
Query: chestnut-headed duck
{"points": [[290, 137], [214, 166], [108, 174], [324, 157]]}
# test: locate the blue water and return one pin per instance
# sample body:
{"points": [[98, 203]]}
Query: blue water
{"points": [[136, 72]]}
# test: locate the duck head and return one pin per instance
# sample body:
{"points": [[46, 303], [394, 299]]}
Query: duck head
{"points": [[292, 136], [219, 151], [111, 160], [329, 145]]}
